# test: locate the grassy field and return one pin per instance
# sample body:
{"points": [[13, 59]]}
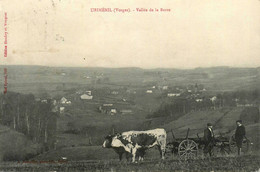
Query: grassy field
{"points": [[242, 163]]}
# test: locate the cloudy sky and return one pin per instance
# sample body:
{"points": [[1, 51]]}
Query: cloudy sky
{"points": [[200, 33]]}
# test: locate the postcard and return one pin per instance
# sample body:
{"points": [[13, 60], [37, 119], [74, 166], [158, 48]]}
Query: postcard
{"points": [[129, 85]]}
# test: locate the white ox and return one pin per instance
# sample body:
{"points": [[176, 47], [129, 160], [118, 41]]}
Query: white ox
{"points": [[134, 141]]}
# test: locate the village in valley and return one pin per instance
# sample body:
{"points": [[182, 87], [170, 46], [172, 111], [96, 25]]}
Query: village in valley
{"points": [[123, 100]]}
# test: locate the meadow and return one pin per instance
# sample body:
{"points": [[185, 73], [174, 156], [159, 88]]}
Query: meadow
{"points": [[242, 163]]}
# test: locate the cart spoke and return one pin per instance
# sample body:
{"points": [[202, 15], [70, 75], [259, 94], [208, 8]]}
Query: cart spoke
{"points": [[181, 147], [194, 146], [182, 151]]}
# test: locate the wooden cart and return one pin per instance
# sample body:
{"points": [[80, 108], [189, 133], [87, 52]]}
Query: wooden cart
{"points": [[189, 148]]}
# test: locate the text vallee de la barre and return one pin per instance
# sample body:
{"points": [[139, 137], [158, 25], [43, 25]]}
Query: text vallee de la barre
{"points": [[122, 10]]}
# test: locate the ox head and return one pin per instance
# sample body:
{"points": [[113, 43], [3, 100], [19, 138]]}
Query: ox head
{"points": [[110, 140]]}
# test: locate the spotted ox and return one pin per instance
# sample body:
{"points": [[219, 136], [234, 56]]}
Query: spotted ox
{"points": [[120, 150], [135, 142]]}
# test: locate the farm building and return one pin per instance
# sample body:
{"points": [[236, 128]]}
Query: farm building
{"points": [[107, 110], [108, 104], [63, 100], [68, 102], [62, 109], [114, 92], [165, 87], [213, 99], [88, 93], [126, 111], [86, 97], [173, 94], [199, 100], [44, 101], [149, 91], [113, 111]]}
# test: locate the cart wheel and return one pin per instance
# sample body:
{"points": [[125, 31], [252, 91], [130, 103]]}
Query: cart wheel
{"points": [[188, 149], [221, 148], [233, 146]]}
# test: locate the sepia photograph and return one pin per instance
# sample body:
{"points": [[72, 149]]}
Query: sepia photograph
{"points": [[129, 86]]}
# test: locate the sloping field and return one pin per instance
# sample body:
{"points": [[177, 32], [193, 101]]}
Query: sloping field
{"points": [[196, 121], [14, 145], [223, 121], [253, 134], [79, 153]]}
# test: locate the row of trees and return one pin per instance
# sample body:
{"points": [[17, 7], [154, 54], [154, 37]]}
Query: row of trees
{"points": [[36, 119], [180, 106]]}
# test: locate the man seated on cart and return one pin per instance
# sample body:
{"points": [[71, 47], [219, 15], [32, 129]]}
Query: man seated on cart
{"points": [[209, 139]]}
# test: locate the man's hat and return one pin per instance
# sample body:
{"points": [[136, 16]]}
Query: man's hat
{"points": [[240, 121], [209, 124]]}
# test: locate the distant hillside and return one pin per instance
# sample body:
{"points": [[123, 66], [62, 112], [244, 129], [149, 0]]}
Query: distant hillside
{"points": [[54, 80]]}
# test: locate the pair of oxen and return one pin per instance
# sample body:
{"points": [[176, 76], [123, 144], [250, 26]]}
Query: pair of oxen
{"points": [[134, 143]]}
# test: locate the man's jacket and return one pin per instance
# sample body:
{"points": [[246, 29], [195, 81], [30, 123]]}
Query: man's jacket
{"points": [[208, 135], [240, 132]]}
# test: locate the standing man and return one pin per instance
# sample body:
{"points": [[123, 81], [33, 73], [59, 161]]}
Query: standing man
{"points": [[239, 135], [209, 139]]}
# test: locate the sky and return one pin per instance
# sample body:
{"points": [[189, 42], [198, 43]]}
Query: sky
{"points": [[202, 33]]}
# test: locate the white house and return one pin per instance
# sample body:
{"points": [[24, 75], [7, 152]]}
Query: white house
{"points": [[44, 101], [114, 92], [108, 104], [86, 97], [173, 94], [199, 100], [149, 91], [213, 99], [126, 111], [165, 87], [68, 102], [113, 111], [88, 93], [63, 100], [62, 109]]}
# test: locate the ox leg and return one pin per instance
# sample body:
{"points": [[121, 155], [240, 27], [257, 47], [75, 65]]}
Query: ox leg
{"points": [[162, 147], [120, 156], [128, 156], [140, 153], [162, 151], [134, 154]]}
